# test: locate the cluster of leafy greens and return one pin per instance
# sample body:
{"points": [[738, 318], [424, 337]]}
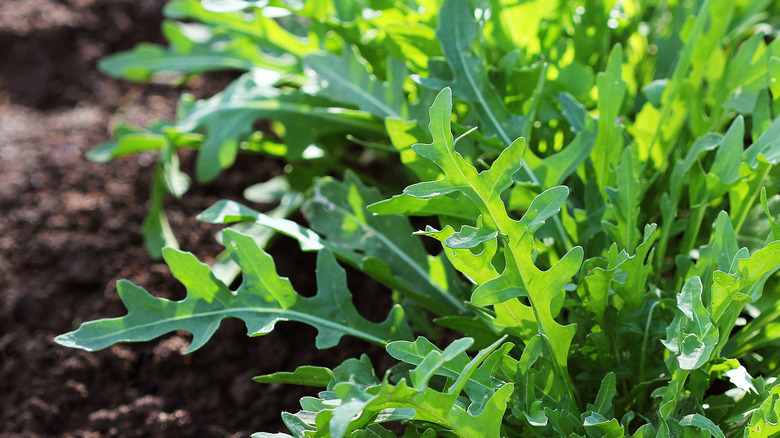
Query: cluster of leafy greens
{"points": [[600, 175]]}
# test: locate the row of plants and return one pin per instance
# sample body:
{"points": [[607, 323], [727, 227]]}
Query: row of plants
{"points": [[599, 176]]}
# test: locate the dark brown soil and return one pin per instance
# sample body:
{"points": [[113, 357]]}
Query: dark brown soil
{"points": [[69, 229]]}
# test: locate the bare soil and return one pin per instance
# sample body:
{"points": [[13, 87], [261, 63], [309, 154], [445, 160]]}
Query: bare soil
{"points": [[69, 229]]}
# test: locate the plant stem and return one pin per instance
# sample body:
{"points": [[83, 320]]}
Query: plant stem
{"points": [[643, 355], [756, 189], [692, 231]]}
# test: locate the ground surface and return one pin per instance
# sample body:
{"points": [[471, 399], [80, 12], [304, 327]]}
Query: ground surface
{"points": [[69, 229]]}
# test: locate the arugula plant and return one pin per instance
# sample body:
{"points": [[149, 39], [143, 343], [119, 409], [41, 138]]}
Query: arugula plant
{"points": [[600, 177]]}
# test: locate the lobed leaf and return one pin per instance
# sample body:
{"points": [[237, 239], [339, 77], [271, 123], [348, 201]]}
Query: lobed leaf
{"points": [[262, 299], [484, 189], [692, 335], [383, 247]]}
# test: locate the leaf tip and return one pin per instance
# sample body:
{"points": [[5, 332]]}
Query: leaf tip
{"points": [[68, 340], [444, 96]]}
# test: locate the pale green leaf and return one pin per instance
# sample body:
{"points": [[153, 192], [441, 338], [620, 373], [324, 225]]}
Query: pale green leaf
{"points": [[470, 237], [147, 60], [692, 336], [227, 212], [701, 422], [765, 421], [603, 405], [231, 5], [639, 265], [598, 426], [264, 31], [403, 134], [303, 375], [477, 266], [415, 43], [484, 189]]}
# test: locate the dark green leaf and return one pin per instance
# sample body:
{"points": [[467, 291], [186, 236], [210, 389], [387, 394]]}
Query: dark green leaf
{"points": [[263, 299]]}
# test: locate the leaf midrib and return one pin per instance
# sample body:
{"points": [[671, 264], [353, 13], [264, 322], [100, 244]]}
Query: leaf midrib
{"points": [[315, 321], [335, 77], [359, 120], [178, 62], [467, 72]]}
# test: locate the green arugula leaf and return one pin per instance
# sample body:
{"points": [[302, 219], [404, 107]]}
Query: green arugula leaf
{"points": [[148, 60], [228, 117], [383, 246], [725, 168], [346, 79], [598, 426], [765, 149], [453, 206], [544, 288], [415, 43], [476, 266], [599, 282], [702, 34], [606, 394], [303, 375], [624, 204], [774, 226], [634, 289], [456, 35], [703, 423], [127, 141], [764, 421], [262, 299], [403, 134], [415, 353], [692, 336], [263, 30], [609, 141]]}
